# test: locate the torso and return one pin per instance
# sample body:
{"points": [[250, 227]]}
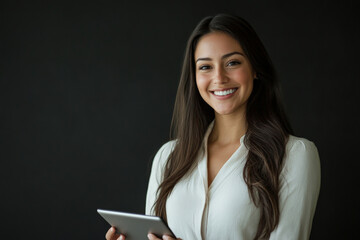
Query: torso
{"points": [[224, 210]]}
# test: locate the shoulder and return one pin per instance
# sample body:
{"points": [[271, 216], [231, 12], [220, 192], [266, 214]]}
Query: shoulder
{"points": [[300, 147], [301, 157], [298, 144], [162, 155], [165, 150]]}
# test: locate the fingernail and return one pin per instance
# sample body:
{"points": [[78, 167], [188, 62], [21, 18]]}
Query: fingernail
{"points": [[149, 236]]}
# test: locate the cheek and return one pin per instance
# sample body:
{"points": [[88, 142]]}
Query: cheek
{"points": [[201, 83], [242, 76]]}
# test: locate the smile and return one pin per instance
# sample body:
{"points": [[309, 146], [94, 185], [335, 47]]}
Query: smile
{"points": [[225, 92]]}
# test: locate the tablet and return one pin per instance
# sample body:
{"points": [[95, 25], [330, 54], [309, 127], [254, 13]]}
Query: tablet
{"points": [[136, 226]]}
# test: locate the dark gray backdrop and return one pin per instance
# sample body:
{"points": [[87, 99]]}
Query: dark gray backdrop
{"points": [[86, 97]]}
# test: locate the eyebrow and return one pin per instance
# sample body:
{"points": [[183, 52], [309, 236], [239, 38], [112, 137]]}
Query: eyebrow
{"points": [[225, 56]]}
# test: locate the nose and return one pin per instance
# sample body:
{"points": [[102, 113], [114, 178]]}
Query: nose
{"points": [[220, 76]]}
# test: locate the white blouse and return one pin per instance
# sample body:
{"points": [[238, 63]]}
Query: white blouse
{"points": [[224, 210]]}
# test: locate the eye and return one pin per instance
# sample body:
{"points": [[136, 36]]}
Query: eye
{"points": [[233, 63], [204, 67]]}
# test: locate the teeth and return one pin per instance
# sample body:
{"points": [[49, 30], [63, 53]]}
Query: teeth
{"points": [[223, 93]]}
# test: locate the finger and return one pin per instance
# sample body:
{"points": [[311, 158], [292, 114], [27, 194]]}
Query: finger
{"points": [[121, 237], [110, 235], [152, 237], [166, 237]]}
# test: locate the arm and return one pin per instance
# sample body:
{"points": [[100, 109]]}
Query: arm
{"points": [[299, 191], [156, 175], [155, 180]]}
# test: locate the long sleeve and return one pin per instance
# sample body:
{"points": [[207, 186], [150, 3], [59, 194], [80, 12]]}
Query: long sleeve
{"points": [[156, 176], [299, 191]]}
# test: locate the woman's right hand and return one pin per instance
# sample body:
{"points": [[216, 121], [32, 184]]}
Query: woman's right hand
{"points": [[112, 235]]}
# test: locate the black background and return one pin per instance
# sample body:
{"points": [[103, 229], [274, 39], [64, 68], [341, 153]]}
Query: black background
{"points": [[87, 91]]}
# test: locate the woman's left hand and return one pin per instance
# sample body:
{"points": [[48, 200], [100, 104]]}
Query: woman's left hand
{"points": [[165, 237]]}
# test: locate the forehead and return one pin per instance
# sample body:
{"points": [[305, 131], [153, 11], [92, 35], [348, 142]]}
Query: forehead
{"points": [[216, 44]]}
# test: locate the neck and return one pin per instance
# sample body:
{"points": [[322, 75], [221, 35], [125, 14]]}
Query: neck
{"points": [[228, 129]]}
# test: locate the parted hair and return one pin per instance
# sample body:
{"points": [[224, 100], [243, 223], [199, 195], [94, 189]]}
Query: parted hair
{"points": [[267, 130]]}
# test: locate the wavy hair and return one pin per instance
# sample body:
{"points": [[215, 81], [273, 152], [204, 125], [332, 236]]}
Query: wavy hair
{"points": [[267, 125]]}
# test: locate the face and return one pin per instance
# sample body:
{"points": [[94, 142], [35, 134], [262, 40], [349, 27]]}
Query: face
{"points": [[224, 76]]}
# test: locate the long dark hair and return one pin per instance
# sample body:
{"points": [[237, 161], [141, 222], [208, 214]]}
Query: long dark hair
{"points": [[267, 125]]}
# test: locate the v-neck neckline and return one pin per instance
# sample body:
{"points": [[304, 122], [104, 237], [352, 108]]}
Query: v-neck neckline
{"points": [[225, 170], [221, 170]]}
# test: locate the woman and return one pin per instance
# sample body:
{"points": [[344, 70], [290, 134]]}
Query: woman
{"points": [[233, 169]]}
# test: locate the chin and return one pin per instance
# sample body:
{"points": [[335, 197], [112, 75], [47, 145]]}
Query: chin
{"points": [[230, 111], [224, 112]]}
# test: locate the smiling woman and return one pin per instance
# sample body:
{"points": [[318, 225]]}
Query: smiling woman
{"points": [[234, 169]]}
